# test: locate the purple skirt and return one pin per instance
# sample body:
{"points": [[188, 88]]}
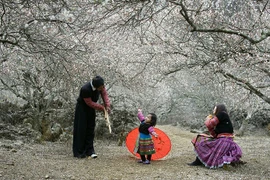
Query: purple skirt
{"points": [[215, 152]]}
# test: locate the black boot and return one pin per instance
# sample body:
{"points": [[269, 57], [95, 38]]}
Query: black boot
{"points": [[197, 162]]}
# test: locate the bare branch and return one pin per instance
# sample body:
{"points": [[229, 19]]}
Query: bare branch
{"points": [[195, 28], [245, 84], [251, 40]]}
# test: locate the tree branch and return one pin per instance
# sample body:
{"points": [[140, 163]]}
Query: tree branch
{"points": [[195, 28], [216, 30], [245, 84], [12, 90]]}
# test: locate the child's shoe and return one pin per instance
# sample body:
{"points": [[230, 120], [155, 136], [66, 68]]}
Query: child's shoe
{"points": [[146, 162], [140, 161]]}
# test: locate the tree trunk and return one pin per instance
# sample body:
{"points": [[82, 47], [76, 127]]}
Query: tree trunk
{"points": [[244, 125]]}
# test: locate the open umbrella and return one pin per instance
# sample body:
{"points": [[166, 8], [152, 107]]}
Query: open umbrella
{"points": [[162, 143]]}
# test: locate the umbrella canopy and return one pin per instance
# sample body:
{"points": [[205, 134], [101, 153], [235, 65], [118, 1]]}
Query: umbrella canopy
{"points": [[162, 143]]}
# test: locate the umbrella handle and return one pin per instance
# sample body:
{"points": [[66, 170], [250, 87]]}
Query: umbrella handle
{"points": [[107, 119]]}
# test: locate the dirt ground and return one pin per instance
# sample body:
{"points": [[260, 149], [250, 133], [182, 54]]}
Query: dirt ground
{"points": [[55, 161]]}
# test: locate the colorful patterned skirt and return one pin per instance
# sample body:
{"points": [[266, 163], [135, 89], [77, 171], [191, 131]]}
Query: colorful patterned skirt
{"points": [[215, 152], [144, 145]]}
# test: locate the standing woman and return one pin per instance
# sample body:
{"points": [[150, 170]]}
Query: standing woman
{"points": [[85, 117], [218, 149]]}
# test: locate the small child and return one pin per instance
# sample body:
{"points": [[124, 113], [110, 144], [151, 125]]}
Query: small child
{"points": [[145, 144]]}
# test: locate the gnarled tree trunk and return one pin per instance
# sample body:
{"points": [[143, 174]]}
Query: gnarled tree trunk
{"points": [[244, 124]]}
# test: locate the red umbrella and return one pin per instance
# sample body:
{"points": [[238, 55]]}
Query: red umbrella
{"points": [[162, 143]]}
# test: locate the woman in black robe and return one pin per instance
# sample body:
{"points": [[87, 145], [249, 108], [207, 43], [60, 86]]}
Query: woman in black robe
{"points": [[85, 117]]}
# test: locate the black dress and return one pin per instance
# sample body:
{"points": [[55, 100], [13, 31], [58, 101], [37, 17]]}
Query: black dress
{"points": [[84, 123]]}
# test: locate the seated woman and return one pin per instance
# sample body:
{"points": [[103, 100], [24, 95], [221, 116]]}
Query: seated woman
{"points": [[217, 149]]}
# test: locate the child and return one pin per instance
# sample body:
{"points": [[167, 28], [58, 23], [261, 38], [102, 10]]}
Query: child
{"points": [[145, 144]]}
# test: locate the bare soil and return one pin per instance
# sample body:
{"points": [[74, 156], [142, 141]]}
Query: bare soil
{"points": [[55, 161]]}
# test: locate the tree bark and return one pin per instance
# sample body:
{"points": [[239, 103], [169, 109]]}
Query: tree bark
{"points": [[244, 125]]}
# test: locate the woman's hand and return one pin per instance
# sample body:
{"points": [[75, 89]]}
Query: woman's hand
{"points": [[207, 119], [108, 110], [210, 116]]}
